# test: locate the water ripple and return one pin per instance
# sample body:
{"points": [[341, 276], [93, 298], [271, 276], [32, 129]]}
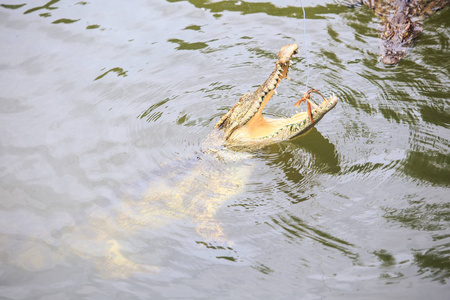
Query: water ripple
{"points": [[296, 230]]}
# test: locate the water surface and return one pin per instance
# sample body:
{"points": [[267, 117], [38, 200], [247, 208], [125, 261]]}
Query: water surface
{"points": [[106, 104]]}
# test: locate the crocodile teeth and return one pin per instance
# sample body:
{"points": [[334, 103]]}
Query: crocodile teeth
{"points": [[277, 76]]}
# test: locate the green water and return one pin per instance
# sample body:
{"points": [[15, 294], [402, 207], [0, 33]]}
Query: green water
{"points": [[101, 100]]}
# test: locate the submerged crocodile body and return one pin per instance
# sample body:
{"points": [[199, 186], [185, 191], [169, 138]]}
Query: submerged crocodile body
{"points": [[401, 24], [193, 188]]}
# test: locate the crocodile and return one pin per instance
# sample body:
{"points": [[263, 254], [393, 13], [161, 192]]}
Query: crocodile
{"points": [[191, 188], [401, 24], [245, 128]]}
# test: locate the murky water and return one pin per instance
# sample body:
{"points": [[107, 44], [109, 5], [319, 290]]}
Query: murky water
{"points": [[105, 194]]}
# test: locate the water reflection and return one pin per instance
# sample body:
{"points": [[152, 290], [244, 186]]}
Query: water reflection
{"points": [[95, 26], [298, 163], [324, 152], [386, 258], [421, 215], [245, 7], [154, 112], [182, 45], [431, 166], [65, 21], [12, 6], [117, 70], [47, 6], [434, 262], [296, 230]]}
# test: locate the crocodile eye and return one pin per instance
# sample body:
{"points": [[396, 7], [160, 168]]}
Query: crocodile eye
{"points": [[388, 32], [406, 31]]}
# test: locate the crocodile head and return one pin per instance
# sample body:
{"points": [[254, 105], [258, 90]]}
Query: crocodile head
{"points": [[245, 128], [398, 33]]}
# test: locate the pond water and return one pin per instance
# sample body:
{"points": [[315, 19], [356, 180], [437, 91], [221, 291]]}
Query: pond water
{"points": [[104, 109]]}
